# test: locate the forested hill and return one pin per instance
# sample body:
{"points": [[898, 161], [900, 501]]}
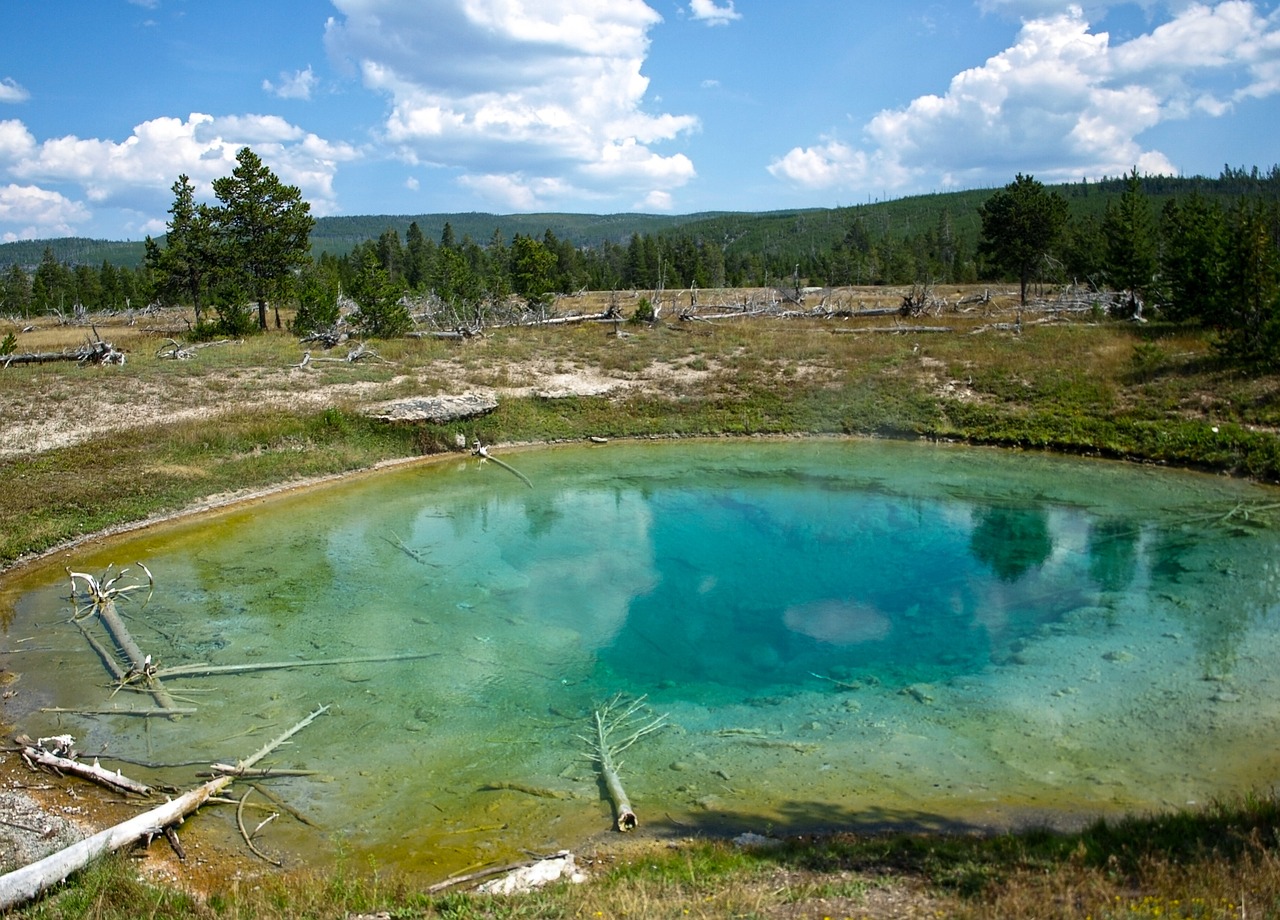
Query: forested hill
{"points": [[804, 231]]}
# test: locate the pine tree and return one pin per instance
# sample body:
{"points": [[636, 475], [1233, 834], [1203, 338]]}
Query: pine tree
{"points": [[266, 227], [1130, 233], [1021, 225]]}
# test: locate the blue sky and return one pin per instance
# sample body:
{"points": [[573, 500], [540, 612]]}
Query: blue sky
{"points": [[600, 106]]}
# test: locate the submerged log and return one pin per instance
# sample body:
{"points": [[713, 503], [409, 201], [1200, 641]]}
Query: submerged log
{"points": [[612, 721], [483, 453], [203, 670], [102, 594]]}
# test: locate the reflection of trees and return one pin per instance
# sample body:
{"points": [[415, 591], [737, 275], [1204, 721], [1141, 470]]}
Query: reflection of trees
{"points": [[1216, 597], [1010, 541], [1113, 553]]}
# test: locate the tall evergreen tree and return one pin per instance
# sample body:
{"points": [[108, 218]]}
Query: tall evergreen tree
{"points": [[52, 286], [532, 268], [1129, 229], [382, 312], [15, 293], [1251, 285], [184, 269], [1021, 225], [266, 227], [418, 257], [1191, 264]]}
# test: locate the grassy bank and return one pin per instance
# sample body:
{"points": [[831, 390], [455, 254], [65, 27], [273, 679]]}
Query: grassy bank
{"points": [[89, 448], [1222, 861]]}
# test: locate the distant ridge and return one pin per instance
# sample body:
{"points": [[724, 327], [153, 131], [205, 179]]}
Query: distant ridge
{"points": [[743, 230]]}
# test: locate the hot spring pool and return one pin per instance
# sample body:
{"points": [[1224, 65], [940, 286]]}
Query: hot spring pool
{"points": [[840, 634]]}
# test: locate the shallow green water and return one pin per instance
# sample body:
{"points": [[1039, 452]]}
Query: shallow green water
{"points": [[840, 634]]}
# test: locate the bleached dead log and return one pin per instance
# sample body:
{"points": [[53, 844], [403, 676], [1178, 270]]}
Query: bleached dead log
{"points": [[23, 884], [361, 352], [569, 320], [175, 350], [895, 330], [611, 722], [122, 711], [204, 670], [101, 595], [61, 758], [483, 453], [98, 352]]}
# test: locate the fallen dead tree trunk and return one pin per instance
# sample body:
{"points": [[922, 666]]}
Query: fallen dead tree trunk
{"points": [[483, 453], [102, 594], [23, 884], [895, 330], [203, 670], [62, 759], [98, 352], [610, 722]]}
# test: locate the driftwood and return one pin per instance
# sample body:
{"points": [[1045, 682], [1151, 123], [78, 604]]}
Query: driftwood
{"points": [[895, 330], [606, 316], [611, 722], [101, 595], [23, 884], [483, 453], [457, 333], [178, 352], [201, 670], [58, 754], [248, 838], [98, 352], [361, 352]]}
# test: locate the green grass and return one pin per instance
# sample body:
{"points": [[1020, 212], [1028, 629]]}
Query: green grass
{"points": [[1220, 861]]}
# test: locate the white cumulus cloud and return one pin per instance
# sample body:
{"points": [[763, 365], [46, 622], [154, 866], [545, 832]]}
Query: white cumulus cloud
{"points": [[297, 85], [29, 212], [1062, 102], [707, 11], [74, 174], [529, 99], [11, 91]]}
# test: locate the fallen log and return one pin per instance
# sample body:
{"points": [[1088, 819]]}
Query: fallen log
{"points": [[483, 453], [204, 670], [98, 352], [895, 330], [62, 759], [102, 594], [609, 723], [23, 884], [576, 318]]}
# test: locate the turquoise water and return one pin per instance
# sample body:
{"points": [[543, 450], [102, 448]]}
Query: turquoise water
{"points": [[838, 634]]}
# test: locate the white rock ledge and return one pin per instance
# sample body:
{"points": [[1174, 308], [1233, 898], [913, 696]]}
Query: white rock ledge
{"points": [[434, 408]]}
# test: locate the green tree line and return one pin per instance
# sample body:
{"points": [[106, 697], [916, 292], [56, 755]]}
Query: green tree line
{"points": [[1197, 250]]}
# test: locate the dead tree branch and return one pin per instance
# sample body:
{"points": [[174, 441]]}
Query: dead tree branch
{"points": [[483, 453], [58, 755], [99, 598]]}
